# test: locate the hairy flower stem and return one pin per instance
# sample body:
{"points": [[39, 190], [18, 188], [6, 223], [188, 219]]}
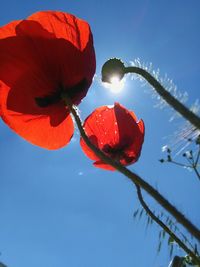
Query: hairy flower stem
{"points": [[134, 177], [165, 228], [170, 99]]}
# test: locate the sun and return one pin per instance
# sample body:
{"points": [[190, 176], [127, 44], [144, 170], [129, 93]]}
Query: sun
{"points": [[116, 85]]}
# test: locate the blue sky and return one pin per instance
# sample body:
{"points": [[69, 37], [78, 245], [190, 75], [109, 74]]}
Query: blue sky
{"points": [[56, 209]]}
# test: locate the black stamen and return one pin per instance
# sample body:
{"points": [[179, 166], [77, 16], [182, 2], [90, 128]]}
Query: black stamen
{"points": [[55, 98], [77, 89], [48, 100]]}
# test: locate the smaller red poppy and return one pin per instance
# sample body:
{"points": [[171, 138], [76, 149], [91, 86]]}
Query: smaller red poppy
{"points": [[115, 131]]}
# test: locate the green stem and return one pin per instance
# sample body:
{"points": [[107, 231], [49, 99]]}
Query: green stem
{"points": [[180, 164], [194, 166], [134, 177], [165, 228], [170, 99]]}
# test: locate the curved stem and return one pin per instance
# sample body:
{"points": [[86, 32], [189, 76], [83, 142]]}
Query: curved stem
{"points": [[136, 179], [192, 166], [181, 164], [164, 227], [170, 99], [195, 165]]}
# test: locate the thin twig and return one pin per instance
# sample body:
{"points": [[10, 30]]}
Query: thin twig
{"points": [[197, 158], [194, 164], [181, 164]]}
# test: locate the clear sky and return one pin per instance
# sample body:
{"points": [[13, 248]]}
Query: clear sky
{"points": [[56, 209]]}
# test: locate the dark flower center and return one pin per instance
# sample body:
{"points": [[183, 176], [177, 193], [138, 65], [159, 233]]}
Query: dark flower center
{"points": [[117, 152], [75, 93]]}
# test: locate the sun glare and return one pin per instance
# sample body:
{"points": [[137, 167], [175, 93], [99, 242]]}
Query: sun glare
{"points": [[116, 85]]}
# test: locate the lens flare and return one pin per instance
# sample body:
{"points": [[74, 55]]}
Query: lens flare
{"points": [[116, 85]]}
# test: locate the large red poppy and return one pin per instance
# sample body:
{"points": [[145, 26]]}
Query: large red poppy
{"points": [[116, 131], [40, 58]]}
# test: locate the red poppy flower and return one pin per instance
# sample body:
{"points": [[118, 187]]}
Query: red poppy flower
{"points": [[116, 131], [40, 58]]}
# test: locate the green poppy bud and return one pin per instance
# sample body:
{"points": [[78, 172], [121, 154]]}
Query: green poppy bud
{"points": [[112, 67]]}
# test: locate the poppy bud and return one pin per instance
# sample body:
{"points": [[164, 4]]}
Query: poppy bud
{"points": [[112, 67]]}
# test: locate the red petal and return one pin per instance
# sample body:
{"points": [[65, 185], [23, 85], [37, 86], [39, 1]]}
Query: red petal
{"points": [[116, 128], [89, 153], [135, 148], [63, 25], [141, 126], [131, 129], [9, 29], [101, 165], [101, 124], [50, 132], [58, 43], [38, 55], [77, 32], [127, 123], [97, 127]]}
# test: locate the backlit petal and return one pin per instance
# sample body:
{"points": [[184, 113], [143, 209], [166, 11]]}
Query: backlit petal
{"points": [[102, 124], [101, 165], [48, 131], [45, 53], [115, 131], [89, 153], [135, 148]]}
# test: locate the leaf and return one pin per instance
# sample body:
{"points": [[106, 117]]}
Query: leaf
{"points": [[160, 234], [170, 224], [135, 213], [185, 238], [159, 246], [170, 240], [148, 220], [141, 212], [195, 249], [171, 249], [163, 234]]}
